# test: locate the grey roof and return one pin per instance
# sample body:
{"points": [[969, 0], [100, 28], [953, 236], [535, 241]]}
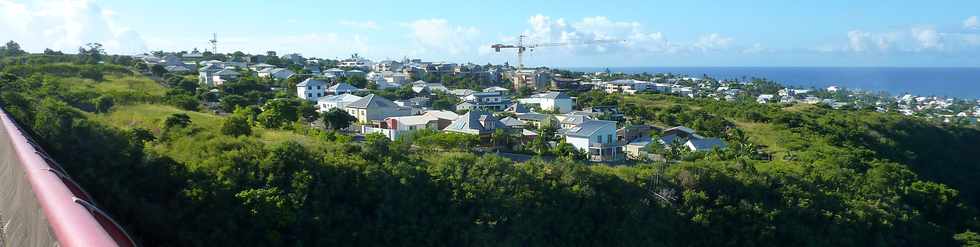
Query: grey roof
{"points": [[552, 95], [372, 101], [587, 128], [538, 117], [707, 143], [512, 122], [211, 67], [343, 87], [311, 82], [575, 119], [475, 122], [518, 108]]}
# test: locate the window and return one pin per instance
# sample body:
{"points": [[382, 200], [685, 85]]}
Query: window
{"points": [[609, 139], [309, 95], [598, 139]]}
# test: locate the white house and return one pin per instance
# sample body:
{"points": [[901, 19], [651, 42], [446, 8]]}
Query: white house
{"points": [[598, 138], [421, 86], [327, 103], [206, 74], [764, 98], [311, 89], [551, 101], [224, 75]]}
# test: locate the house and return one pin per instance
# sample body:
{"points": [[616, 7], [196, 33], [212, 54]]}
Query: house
{"points": [[597, 138], [503, 91], [610, 112], [341, 101], [461, 93], [535, 120], [483, 101], [551, 101], [569, 121], [335, 72], [354, 73], [206, 74], [225, 75], [373, 109], [704, 144], [764, 98], [261, 66], [342, 88], [276, 73], [633, 132], [416, 102], [476, 122], [177, 69], [686, 137], [517, 108], [311, 89], [421, 86], [513, 123]]}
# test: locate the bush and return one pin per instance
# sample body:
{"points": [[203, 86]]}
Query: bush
{"points": [[236, 125]]}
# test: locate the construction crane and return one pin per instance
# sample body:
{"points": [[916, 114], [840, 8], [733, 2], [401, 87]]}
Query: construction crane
{"points": [[522, 47]]}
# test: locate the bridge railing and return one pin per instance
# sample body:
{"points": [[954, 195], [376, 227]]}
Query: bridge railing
{"points": [[71, 214]]}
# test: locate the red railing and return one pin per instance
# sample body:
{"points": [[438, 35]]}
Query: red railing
{"points": [[70, 211]]}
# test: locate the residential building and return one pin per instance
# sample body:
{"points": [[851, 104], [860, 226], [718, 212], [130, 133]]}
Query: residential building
{"points": [[261, 66], [597, 138], [686, 137], [484, 101], [224, 75], [206, 74], [373, 109], [764, 98], [551, 101], [341, 101], [476, 122], [342, 88], [423, 87], [276, 73], [311, 89], [503, 91]]}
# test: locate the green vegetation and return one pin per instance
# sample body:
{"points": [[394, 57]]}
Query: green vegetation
{"points": [[793, 177]]}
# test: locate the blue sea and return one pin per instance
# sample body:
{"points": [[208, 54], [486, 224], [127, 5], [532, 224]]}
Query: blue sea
{"points": [[928, 81]]}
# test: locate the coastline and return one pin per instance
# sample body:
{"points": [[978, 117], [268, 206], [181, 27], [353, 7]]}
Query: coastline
{"points": [[959, 82]]}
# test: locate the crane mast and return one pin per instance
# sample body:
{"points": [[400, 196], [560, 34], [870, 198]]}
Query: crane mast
{"points": [[522, 46]]}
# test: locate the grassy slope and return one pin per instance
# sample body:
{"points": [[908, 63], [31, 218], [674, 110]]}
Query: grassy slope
{"points": [[151, 116]]}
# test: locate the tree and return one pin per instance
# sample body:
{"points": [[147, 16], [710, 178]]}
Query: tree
{"points": [[11, 49], [103, 103], [337, 119], [229, 103], [177, 120], [91, 53], [236, 125], [158, 70], [279, 112]]}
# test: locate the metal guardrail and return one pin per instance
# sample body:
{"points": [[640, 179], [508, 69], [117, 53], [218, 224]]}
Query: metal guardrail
{"points": [[72, 217]]}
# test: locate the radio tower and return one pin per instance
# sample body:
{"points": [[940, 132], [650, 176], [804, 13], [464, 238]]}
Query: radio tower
{"points": [[214, 43]]}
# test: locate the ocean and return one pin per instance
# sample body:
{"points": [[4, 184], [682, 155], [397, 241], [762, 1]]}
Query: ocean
{"points": [[927, 81]]}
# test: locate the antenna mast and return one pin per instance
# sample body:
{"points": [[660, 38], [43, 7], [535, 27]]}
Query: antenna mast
{"points": [[214, 42]]}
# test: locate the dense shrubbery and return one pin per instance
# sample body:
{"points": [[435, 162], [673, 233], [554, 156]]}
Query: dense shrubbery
{"points": [[851, 179]]}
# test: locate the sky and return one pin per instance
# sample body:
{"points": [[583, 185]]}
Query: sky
{"points": [[650, 33]]}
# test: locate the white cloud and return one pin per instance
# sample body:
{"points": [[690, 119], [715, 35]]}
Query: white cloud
{"points": [[755, 49], [971, 23], [927, 38], [713, 42], [914, 39], [66, 25], [578, 34], [371, 25], [437, 35]]}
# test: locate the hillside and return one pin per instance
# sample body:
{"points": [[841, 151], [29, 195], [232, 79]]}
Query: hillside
{"points": [[794, 176]]}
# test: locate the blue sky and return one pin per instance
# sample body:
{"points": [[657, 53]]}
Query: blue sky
{"points": [[656, 33]]}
